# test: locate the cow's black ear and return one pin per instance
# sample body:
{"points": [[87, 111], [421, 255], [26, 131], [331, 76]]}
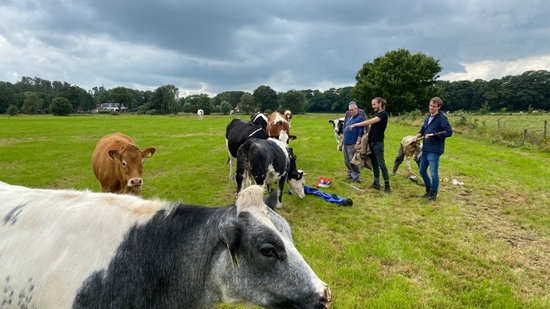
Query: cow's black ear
{"points": [[272, 199], [230, 233], [292, 137], [330, 121]]}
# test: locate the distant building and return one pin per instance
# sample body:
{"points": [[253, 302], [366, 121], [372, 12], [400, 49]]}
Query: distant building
{"points": [[117, 107]]}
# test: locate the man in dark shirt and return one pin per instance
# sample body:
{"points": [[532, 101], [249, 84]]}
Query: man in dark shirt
{"points": [[376, 142]]}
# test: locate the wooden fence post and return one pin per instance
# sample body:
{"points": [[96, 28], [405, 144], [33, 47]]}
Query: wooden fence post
{"points": [[498, 124], [544, 134], [524, 136]]}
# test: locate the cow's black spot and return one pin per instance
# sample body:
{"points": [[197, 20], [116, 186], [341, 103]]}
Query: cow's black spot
{"points": [[11, 217]]}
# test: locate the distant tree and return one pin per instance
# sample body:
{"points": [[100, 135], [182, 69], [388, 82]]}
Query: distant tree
{"points": [[122, 95], [265, 99], [61, 106], [225, 107], [187, 107], [247, 104], [165, 99], [293, 100], [406, 81], [12, 110], [7, 96], [204, 103], [32, 104], [232, 97]]}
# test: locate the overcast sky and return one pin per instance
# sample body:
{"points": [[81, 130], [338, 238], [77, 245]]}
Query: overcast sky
{"points": [[209, 47]]}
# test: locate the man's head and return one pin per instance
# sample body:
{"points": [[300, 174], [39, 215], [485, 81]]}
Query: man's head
{"points": [[353, 109], [378, 104], [435, 105]]}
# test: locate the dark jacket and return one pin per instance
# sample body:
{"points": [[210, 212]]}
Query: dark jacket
{"points": [[436, 143]]}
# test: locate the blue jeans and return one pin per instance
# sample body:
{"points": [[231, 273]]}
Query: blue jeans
{"points": [[378, 162], [431, 160]]}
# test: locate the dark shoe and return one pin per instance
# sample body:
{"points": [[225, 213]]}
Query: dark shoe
{"points": [[432, 195], [425, 195], [387, 188], [375, 186], [357, 180]]}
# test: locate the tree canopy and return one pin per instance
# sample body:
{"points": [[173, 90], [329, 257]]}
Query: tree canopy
{"points": [[405, 81]]}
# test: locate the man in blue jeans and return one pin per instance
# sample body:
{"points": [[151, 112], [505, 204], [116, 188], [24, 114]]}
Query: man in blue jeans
{"points": [[352, 141], [435, 130], [376, 142]]}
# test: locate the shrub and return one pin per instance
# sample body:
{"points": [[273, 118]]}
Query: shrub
{"points": [[61, 106]]}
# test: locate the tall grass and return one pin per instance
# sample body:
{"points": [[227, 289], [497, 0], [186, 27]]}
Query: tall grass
{"points": [[481, 245]]}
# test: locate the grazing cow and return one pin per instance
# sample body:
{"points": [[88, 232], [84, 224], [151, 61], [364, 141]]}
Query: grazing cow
{"points": [[338, 128], [288, 117], [200, 113], [236, 133], [277, 123], [268, 162], [231, 114], [259, 119], [79, 249], [118, 163]]}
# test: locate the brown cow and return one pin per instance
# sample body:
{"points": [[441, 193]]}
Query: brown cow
{"points": [[277, 123], [118, 163]]}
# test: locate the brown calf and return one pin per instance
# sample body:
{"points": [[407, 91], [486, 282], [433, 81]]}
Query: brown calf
{"points": [[277, 123], [118, 163]]}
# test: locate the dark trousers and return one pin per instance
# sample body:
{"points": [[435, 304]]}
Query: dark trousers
{"points": [[378, 162]]}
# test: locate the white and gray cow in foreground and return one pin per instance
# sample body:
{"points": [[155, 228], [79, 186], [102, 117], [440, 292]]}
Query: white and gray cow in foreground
{"points": [[79, 249]]}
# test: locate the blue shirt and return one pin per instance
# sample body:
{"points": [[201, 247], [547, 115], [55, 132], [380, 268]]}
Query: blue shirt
{"points": [[350, 137]]}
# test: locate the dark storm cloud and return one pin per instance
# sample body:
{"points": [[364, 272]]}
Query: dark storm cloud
{"points": [[214, 46]]}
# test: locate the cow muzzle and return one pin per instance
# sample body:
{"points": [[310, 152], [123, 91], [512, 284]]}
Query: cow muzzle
{"points": [[135, 182], [326, 300]]}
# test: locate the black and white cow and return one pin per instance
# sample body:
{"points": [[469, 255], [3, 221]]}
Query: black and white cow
{"points": [[78, 249], [236, 133], [268, 162], [259, 119], [338, 128]]}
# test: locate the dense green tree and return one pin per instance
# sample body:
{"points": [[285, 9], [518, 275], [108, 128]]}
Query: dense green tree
{"points": [[165, 99], [265, 99], [12, 110], [61, 106], [122, 95], [32, 104], [225, 107], [406, 81], [205, 103], [232, 97], [247, 104], [7, 96], [293, 100]]}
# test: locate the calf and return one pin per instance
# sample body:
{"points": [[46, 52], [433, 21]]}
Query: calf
{"points": [[200, 113], [338, 128], [232, 114], [236, 133], [268, 162], [277, 123], [78, 249], [288, 117], [118, 163]]}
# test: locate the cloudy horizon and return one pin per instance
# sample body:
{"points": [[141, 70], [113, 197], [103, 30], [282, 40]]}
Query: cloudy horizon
{"points": [[216, 46]]}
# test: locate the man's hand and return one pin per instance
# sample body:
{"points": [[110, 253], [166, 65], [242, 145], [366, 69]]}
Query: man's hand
{"points": [[340, 147]]}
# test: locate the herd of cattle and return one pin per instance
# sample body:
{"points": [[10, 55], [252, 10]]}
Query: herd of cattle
{"points": [[80, 249]]}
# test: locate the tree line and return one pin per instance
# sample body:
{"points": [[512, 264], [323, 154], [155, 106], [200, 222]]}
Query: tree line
{"points": [[407, 82]]}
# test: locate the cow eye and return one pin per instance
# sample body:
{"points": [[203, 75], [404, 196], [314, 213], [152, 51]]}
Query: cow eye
{"points": [[124, 164], [268, 251]]}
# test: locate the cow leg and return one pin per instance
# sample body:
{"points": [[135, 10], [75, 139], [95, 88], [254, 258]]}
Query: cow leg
{"points": [[280, 189]]}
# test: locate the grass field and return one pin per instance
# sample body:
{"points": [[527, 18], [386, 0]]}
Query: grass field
{"points": [[485, 244]]}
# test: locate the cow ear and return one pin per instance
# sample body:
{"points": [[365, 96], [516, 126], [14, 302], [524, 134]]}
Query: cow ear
{"points": [[292, 137], [149, 152], [331, 122], [114, 155], [272, 199], [300, 174], [230, 233]]}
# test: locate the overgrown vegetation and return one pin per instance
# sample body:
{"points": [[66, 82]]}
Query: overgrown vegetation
{"points": [[484, 244], [525, 131]]}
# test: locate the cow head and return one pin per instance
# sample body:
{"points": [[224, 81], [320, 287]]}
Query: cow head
{"points": [[276, 124], [259, 263], [337, 125], [295, 179], [131, 161]]}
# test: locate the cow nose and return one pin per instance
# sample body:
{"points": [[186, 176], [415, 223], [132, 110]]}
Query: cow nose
{"points": [[136, 182]]}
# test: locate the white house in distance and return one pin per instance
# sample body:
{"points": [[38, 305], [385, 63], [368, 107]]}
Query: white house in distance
{"points": [[117, 107]]}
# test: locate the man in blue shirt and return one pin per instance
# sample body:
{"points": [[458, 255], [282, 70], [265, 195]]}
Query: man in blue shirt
{"points": [[435, 130], [351, 141]]}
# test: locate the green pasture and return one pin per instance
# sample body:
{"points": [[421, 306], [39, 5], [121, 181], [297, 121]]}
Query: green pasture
{"points": [[485, 244]]}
